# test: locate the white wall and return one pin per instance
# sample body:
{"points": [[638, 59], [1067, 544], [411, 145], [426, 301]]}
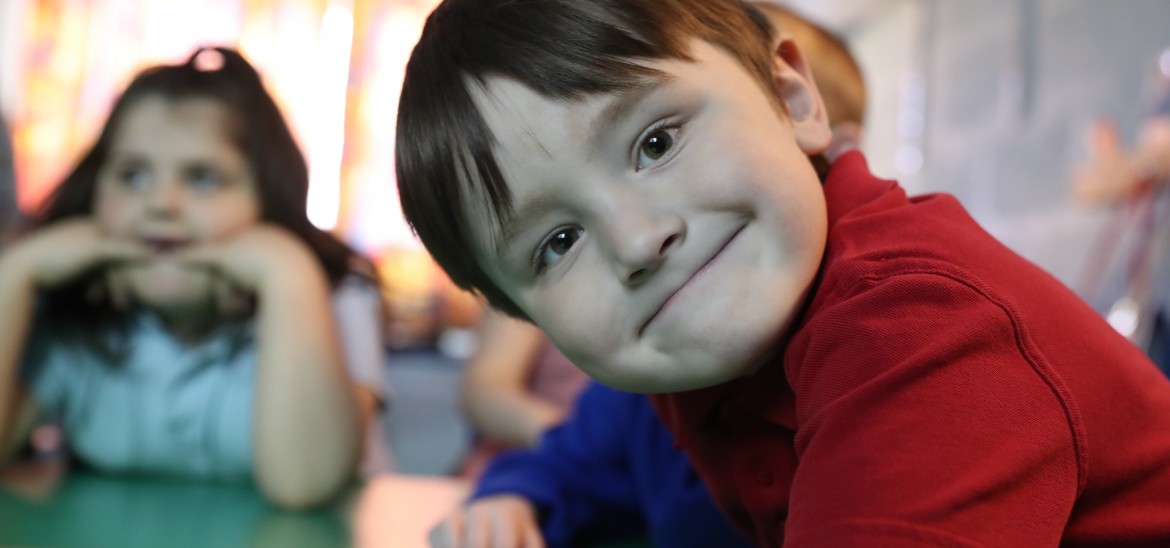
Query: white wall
{"points": [[1008, 88]]}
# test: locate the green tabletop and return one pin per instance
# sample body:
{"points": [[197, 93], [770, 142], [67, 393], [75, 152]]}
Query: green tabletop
{"points": [[89, 510], [84, 509]]}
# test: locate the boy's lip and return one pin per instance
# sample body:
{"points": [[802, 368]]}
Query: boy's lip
{"points": [[702, 267]]}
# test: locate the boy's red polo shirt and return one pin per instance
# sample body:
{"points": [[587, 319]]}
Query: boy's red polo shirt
{"points": [[937, 390]]}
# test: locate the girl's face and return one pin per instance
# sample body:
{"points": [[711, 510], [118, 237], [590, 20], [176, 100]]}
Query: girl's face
{"points": [[173, 178]]}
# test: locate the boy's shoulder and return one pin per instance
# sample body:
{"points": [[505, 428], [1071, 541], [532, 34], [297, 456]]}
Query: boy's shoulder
{"points": [[876, 229]]}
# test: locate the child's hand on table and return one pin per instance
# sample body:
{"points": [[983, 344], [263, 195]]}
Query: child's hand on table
{"points": [[500, 521]]}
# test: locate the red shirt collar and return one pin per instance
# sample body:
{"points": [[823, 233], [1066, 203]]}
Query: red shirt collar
{"points": [[850, 186]]}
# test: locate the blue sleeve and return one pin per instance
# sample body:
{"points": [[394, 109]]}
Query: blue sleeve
{"points": [[579, 477], [676, 504]]}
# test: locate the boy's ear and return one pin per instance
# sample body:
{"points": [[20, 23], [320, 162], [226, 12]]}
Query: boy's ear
{"points": [[795, 85]]}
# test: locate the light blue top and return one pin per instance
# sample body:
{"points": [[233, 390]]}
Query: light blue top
{"points": [[173, 408]]}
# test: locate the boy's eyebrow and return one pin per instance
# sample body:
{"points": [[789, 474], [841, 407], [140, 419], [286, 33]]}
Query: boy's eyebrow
{"points": [[620, 106], [517, 221]]}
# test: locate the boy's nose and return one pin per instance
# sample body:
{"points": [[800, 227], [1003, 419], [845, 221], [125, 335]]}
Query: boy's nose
{"points": [[643, 242]]}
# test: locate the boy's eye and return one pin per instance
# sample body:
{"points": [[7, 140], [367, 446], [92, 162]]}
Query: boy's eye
{"points": [[657, 144], [555, 247]]}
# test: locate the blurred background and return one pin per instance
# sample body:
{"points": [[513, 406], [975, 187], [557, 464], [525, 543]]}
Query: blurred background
{"points": [[991, 101]]}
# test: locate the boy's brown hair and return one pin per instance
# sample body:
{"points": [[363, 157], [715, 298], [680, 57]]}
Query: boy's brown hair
{"points": [[562, 49]]}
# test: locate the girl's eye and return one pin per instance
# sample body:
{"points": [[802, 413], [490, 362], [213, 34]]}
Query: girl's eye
{"points": [[136, 178], [204, 178], [555, 247], [657, 144]]}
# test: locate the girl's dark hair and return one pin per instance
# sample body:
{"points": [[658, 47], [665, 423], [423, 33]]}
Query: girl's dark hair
{"points": [[263, 137], [562, 49]]}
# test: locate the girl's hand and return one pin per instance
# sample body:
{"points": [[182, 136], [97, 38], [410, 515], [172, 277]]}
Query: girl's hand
{"points": [[252, 259], [64, 251]]}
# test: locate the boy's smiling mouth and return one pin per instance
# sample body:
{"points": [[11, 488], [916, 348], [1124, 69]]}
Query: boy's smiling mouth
{"points": [[703, 268]]}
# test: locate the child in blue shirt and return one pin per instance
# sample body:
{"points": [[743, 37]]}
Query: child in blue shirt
{"points": [[610, 471], [177, 310]]}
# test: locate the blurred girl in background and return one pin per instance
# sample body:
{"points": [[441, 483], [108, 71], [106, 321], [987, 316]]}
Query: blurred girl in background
{"points": [[176, 309]]}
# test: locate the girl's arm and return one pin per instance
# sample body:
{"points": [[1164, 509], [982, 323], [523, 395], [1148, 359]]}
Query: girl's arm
{"points": [[308, 416], [16, 298], [45, 259], [307, 421]]}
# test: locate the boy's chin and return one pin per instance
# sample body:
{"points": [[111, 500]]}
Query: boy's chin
{"points": [[677, 372]]}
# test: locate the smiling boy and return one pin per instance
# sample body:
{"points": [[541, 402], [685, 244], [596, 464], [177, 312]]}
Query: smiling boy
{"points": [[740, 245], [843, 364]]}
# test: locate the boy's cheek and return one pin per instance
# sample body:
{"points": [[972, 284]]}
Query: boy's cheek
{"points": [[586, 334]]}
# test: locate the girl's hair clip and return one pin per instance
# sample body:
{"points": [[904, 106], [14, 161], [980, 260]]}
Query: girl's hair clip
{"points": [[208, 60]]}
